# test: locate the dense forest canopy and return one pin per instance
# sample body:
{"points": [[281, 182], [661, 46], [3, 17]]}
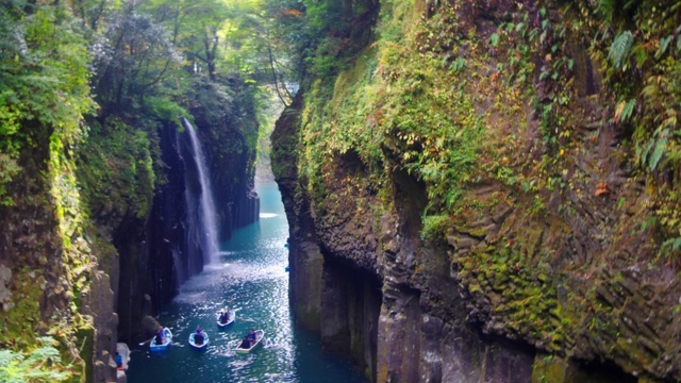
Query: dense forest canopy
{"points": [[63, 61]]}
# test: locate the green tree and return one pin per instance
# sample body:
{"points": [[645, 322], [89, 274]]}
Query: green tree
{"points": [[44, 72], [132, 58], [42, 364]]}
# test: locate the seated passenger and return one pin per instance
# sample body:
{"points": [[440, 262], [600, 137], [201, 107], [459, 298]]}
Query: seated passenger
{"points": [[245, 343], [251, 337], [224, 317], [198, 338], [160, 336]]}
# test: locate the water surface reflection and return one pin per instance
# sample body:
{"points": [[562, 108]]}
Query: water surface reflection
{"points": [[250, 277]]}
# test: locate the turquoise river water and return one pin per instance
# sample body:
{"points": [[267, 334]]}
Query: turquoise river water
{"points": [[250, 277]]}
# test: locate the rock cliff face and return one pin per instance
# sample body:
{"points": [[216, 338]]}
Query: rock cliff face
{"points": [[228, 131], [51, 282], [467, 202]]}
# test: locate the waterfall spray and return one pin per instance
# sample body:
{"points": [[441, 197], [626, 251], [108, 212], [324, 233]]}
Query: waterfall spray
{"points": [[207, 212]]}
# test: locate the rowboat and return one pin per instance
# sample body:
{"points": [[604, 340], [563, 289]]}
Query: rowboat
{"points": [[259, 334], [232, 317], [192, 340], [167, 338]]}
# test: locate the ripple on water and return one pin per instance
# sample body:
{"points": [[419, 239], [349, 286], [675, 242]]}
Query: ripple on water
{"points": [[248, 276]]}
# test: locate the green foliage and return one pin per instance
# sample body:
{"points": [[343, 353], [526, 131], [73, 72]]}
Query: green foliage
{"points": [[458, 64], [318, 15], [44, 94], [132, 59], [434, 225], [413, 102], [619, 50], [652, 81], [44, 71], [652, 154], [140, 57], [664, 44], [18, 321], [166, 109], [648, 90], [325, 64], [494, 40], [625, 109], [334, 31], [672, 244], [42, 364], [8, 169], [117, 172], [402, 97]]}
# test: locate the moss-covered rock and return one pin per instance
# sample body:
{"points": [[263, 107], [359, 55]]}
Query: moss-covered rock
{"points": [[496, 161]]}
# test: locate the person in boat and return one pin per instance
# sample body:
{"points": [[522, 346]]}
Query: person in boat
{"points": [[119, 361], [251, 338], [160, 336], [198, 337], [245, 344], [224, 315]]}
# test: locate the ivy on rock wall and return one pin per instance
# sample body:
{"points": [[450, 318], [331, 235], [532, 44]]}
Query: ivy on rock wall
{"points": [[638, 49], [545, 137], [405, 100], [117, 173]]}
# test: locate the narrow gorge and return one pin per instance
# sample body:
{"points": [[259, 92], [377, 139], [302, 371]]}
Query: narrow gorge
{"points": [[476, 191]]}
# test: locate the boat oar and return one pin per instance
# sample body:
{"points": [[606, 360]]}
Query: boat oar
{"points": [[147, 341]]}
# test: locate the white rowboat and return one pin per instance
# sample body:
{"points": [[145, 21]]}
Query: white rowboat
{"points": [[168, 337], [232, 317], [259, 334], [192, 341]]}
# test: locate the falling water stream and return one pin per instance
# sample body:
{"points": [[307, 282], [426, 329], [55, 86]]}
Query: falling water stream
{"points": [[249, 275], [207, 212]]}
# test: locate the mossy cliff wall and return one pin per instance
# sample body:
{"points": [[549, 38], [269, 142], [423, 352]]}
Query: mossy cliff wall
{"points": [[506, 174], [53, 263]]}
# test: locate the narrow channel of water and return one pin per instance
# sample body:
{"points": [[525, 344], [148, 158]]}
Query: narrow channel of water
{"points": [[249, 276]]}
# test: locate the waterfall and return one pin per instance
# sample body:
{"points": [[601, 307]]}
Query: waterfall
{"points": [[201, 206]]}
